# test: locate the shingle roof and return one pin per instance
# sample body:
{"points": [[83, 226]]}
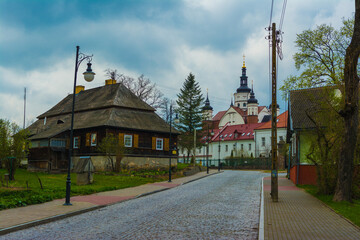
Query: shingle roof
{"points": [[306, 101], [106, 96], [110, 105]]}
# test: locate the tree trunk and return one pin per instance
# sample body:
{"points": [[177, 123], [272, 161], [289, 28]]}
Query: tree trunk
{"points": [[350, 114]]}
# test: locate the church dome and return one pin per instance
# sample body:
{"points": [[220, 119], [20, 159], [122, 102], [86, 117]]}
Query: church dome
{"points": [[252, 98], [242, 89]]}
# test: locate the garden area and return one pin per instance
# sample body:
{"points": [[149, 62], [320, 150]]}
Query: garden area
{"points": [[32, 188]]}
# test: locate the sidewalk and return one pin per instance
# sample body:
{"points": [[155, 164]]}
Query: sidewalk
{"points": [[298, 215], [32, 215]]}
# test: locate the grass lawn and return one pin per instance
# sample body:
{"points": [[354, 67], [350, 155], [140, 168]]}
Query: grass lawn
{"points": [[18, 194], [349, 210]]}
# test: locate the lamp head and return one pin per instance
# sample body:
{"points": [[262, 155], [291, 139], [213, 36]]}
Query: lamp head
{"points": [[176, 120], [89, 74]]}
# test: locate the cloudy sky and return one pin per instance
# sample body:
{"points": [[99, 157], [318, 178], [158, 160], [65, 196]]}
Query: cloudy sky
{"points": [[164, 40]]}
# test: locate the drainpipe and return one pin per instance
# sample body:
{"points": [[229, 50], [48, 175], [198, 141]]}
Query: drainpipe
{"points": [[289, 164], [298, 159]]}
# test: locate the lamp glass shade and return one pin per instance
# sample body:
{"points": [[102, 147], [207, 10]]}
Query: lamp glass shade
{"points": [[89, 74], [176, 120]]}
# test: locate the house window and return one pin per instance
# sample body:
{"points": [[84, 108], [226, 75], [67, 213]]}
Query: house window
{"points": [[263, 141], [219, 148], [128, 140], [226, 148], [244, 104], [93, 139], [76, 142], [281, 138], [249, 146], [242, 147], [159, 144]]}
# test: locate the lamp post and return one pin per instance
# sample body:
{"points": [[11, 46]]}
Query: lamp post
{"points": [[88, 76], [170, 148], [220, 138], [207, 147], [207, 150]]}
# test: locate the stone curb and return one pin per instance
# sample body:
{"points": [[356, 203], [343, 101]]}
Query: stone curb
{"points": [[78, 212], [261, 221]]}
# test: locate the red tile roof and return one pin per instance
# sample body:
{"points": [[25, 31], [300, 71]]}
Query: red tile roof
{"points": [[281, 123], [236, 132], [219, 115]]}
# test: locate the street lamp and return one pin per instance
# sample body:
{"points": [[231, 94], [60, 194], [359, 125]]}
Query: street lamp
{"points": [[221, 138], [176, 120], [88, 76], [207, 148]]}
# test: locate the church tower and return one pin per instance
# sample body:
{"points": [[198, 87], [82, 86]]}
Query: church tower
{"points": [[242, 93], [207, 109], [252, 107]]}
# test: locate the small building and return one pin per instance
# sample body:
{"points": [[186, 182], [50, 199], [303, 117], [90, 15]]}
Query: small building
{"points": [[110, 109], [263, 135], [305, 104]]}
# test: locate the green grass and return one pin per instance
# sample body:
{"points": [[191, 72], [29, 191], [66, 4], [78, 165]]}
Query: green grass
{"points": [[350, 211], [17, 194]]}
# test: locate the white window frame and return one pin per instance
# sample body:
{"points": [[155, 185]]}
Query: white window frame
{"points": [[76, 143], [126, 137], [159, 140]]}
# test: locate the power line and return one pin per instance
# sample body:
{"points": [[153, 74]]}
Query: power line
{"points": [[282, 15], [272, 6]]}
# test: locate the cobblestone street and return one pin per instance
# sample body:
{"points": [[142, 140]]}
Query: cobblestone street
{"points": [[222, 206]]}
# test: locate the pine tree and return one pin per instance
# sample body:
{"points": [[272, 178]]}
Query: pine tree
{"points": [[189, 109]]}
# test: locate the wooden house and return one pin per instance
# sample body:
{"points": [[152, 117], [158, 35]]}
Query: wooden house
{"points": [[98, 112]]}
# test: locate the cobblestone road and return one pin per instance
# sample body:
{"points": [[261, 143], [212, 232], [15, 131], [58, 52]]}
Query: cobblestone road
{"points": [[222, 206]]}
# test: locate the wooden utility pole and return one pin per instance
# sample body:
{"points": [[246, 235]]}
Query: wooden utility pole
{"points": [[274, 165]]}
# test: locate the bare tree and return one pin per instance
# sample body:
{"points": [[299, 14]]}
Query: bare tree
{"points": [[165, 109], [142, 87]]}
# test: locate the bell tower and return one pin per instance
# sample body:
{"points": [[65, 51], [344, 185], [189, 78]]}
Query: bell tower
{"points": [[243, 92]]}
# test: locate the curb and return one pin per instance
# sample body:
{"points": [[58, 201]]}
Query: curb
{"points": [[71, 214], [261, 221]]}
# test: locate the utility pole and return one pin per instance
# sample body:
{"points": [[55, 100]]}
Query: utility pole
{"points": [[274, 165]]}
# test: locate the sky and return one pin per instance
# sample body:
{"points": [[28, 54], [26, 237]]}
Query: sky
{"points": [[164, 40]]}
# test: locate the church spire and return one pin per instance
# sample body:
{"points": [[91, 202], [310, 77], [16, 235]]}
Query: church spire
{"points": [[243, 80], [207, 102], [252, 98]]}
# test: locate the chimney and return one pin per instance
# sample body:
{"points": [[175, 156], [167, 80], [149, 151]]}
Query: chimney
{"points": [[79, 88], [252, 119], [110, 81]]}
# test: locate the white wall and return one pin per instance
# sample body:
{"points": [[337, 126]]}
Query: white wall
{"points": [[266, 133], [231, 116]]}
